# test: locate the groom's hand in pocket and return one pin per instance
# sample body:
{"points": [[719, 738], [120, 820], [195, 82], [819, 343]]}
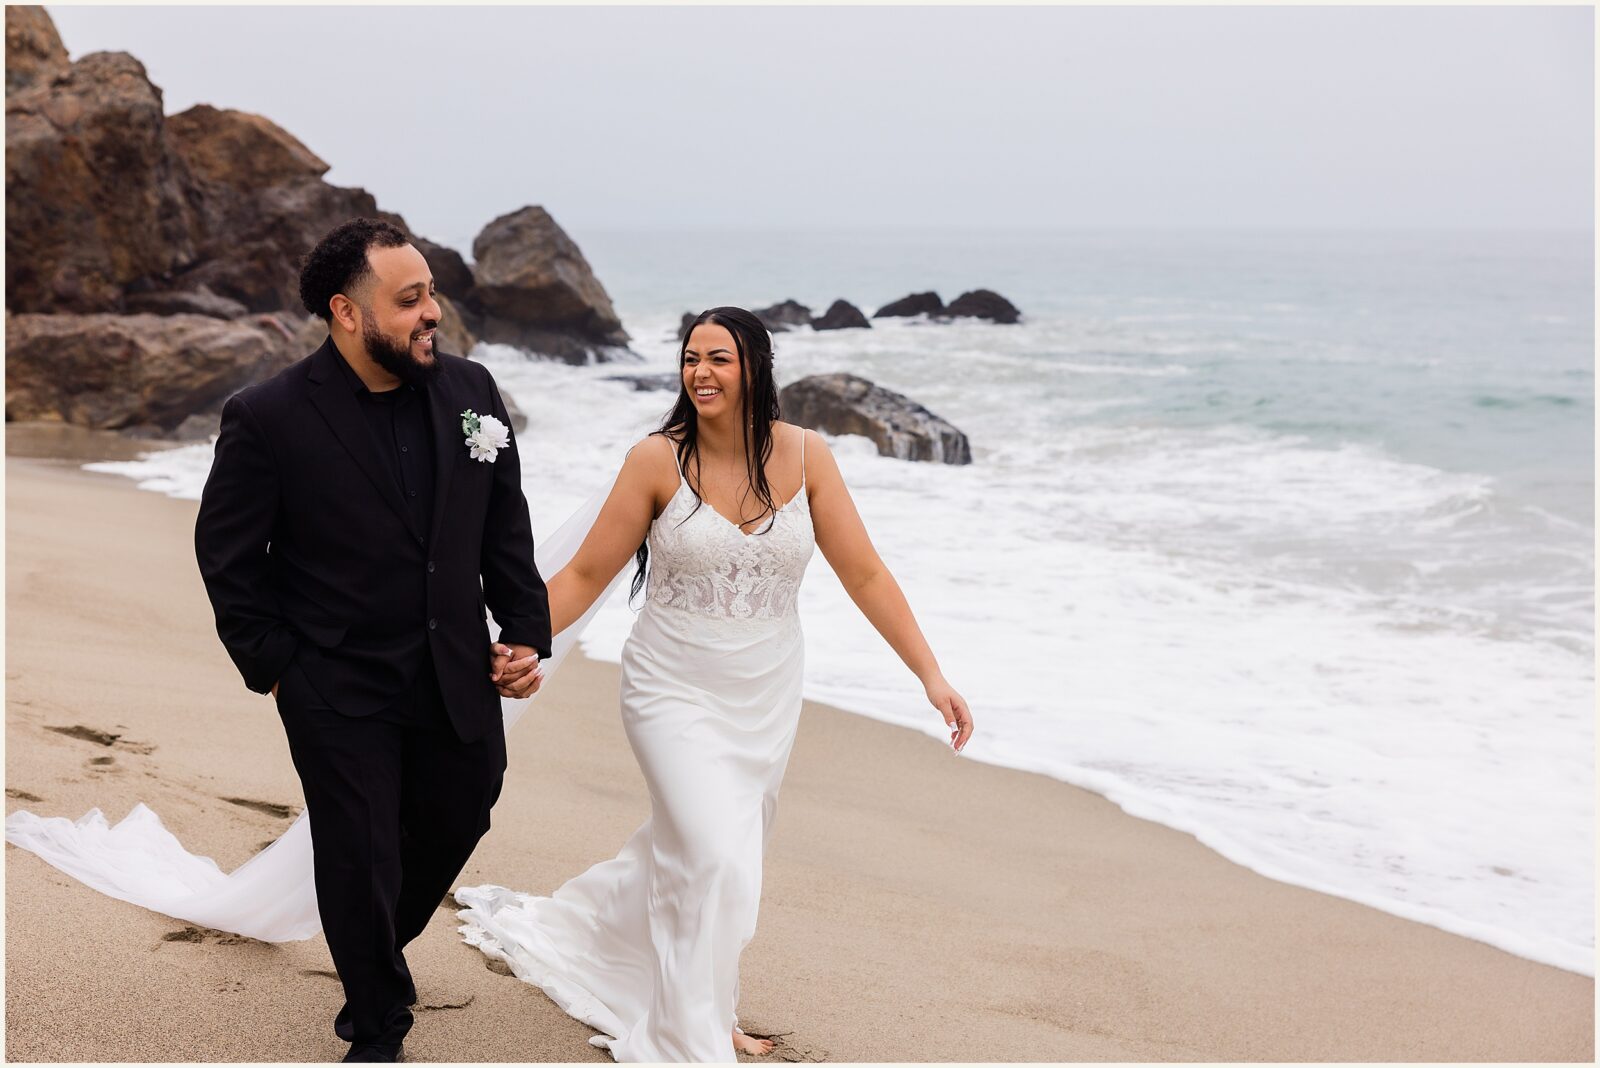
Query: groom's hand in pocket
{"points": [[515, 670]]}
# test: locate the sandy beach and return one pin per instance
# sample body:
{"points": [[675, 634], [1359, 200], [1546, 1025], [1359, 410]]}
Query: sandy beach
{"points": [[917, 906]]}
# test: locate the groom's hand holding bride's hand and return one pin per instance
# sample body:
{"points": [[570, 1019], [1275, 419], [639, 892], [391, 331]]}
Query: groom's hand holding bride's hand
{"points": [[515, 670]]}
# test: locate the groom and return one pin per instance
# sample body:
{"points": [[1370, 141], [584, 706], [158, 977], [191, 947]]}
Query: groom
{"points": [[351, 536]]}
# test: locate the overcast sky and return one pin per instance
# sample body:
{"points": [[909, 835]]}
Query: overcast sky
{"points": [[781, 117]]}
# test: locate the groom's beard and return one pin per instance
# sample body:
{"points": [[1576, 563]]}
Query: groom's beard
{"points": [[397, 359]]}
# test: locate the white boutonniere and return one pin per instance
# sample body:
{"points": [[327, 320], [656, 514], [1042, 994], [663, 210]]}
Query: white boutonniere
{"points": [[486, 435]]}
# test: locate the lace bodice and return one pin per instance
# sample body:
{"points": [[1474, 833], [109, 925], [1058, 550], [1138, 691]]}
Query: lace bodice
{"points": [[700, 562]]}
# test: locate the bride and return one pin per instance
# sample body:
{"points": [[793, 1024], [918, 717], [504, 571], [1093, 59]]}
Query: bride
{"points": [[645, 947]]}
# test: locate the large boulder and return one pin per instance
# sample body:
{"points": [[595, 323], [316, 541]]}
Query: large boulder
{"points": [[261, 205], [916, 304], [94, 197], [240, 150], [983, 304], [898, 425], [34, 51], [119, 371], [536, 291], [841, 315], [784, 315]]}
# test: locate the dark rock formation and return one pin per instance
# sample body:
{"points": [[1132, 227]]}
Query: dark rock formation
{"points": [[34, 51], [535, 290], [916, 304], [784, 316], [118, 371], [688, 320], [239, 150], [841, 315], [107, 198], [154, 261], [94, 198], [261, 205], [644, 383], [898, 425], [983, 304]]}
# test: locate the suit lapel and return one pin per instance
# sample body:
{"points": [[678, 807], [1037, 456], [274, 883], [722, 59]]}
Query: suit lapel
{"points": [[447, 441], [332, 397]]}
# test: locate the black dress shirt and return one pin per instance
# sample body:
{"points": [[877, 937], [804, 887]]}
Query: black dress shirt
{"points": [[398, 419]]}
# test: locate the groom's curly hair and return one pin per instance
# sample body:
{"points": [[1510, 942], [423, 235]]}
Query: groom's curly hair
{"points": [[339, 262]]}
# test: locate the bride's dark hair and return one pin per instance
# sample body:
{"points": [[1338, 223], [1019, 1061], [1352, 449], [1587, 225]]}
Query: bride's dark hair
{"points": [[758, 410]]}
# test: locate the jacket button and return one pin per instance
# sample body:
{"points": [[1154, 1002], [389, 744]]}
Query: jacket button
{"points": [[430, 567], [433, 624]]}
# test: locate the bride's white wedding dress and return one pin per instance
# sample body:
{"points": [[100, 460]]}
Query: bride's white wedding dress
{"points": [[645, 947]]}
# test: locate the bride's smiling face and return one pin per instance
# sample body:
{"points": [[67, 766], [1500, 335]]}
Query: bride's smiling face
{"points": [[711, 372]]}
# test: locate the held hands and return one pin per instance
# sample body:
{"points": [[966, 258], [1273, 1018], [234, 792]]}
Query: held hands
{"points": [[953, 707], [515, 670]]}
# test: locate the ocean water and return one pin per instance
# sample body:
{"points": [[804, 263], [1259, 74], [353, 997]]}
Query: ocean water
{"points": [[1282, 539]]}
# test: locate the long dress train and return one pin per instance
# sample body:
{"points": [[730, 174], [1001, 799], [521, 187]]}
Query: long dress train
{"points": [[645, 947]]}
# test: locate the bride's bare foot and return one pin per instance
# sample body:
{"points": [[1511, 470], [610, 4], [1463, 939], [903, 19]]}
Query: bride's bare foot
{"points": [[756, 1047]]}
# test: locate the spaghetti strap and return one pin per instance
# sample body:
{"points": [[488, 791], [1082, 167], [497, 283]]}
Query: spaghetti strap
{"points": [[677, 462], [802, 459]]}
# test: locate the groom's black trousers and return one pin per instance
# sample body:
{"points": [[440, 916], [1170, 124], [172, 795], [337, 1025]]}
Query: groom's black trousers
{"points": [[397, 802]]}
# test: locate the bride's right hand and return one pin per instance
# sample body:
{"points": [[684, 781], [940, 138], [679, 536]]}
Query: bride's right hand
{"points": [[514, 678], [953, 707]]}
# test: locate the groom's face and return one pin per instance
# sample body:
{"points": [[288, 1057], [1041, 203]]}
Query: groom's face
{"points": [[399, 316]]}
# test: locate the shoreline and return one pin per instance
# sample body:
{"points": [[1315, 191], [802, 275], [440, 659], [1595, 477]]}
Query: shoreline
{"points": [[916, 906], [1218, 835]]}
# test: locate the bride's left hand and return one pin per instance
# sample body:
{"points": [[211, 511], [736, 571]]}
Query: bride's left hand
{"points": [[953, 707]]}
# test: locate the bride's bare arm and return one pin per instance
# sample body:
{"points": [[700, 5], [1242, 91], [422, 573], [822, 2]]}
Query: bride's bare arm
{"points": [[624, 519], [623, 522], [843, 539]]}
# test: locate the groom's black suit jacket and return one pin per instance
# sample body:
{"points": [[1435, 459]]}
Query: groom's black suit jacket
{"points": [[310, 555]]}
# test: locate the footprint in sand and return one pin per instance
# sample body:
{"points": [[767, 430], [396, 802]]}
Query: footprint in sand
{"points": [[87, 734], [23, 795], [103, 761], [99, 737], [269, 808], [191, 933]]}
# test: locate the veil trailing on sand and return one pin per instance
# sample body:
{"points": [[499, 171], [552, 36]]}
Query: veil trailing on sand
{"points": [[271, 896]]}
